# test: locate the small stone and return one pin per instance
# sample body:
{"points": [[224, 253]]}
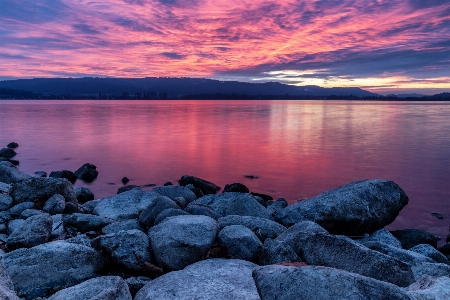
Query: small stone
{"points": [[40, 174], [88, 172], [83, 194], [55, 205], [7, 152], [13, 145], [125, 180], [235, 187], [168, 183], [437, 215], [69, 175]]}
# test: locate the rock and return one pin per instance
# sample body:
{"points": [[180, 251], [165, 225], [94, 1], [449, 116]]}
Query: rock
{"points": [[182, 240], [57, 226], [88, 207], [313, 282], [84, 222], [55, 204], [6, 285], [274, 207], [125, 180], [234, 204], [294, 234], [431, 252], [5, 188], [430, 288], [126, 205], [71, 208], [263, 228], [7, 152], [58, 264], [168, 183], [17, 209], [69, 175], [170, 212], [149, 214], [207, 279], [337, 252], [409, 257], [136, 283], [5, 202], [205, 186], [437, 215], [4, 217], [264, 197], [34, 231], [176, 191], [445, 249], [200, 209], [100, 288], [80, 239], [83, 194], [235, 187], [88, 172], [353, 209], [181, 202], [241, 242], [13, 145], [198, 192], [430, 269], [274, 252], [15, 224], [10, 174], [413, 237], [382, 236], [123, 226], [40, 174], [127, 188], [127, 249], [29, 213], [41, 189]]}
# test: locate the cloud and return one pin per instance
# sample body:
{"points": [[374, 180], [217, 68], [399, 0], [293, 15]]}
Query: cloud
{"points": [[172, 55]]}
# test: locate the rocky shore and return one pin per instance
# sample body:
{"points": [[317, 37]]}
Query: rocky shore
{"points": [[194, 241]]}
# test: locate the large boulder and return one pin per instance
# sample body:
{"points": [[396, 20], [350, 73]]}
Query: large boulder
{"points": [[154, 208], [294, 234], [173, 192], [88, 172], [44, 269], [200, 209], [320, 283], [41, 189], [241, 242], [430, 269], [34, 231], [55, 204], [413, 237], [127, 249], [205, 186], [353, 209], [403, 255], [100, 288], [382, 236], [6, 285], [234, 204], [10, 174], [207, 279], [274, 252], [263, 228], [123, 226], [431, 252], [430, 288], [69, 175], [182, 240], [83, 194], [85, 222], [169, 212]]}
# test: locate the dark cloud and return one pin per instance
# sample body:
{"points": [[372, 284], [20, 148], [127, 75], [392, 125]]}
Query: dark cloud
{"points": [[85, 29], [427, 3], [134, 25], [172, 55]]}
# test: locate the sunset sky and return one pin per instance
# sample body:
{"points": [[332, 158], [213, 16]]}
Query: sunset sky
{"points": [[380, 45]]}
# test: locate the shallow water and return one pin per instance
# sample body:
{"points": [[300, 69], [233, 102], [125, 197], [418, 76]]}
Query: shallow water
{"points": [[298, 149]]}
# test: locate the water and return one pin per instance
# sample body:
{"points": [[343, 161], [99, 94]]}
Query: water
{"points": [[298, 149]]}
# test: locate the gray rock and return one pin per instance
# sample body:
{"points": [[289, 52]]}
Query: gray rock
{"points": [[57, 226], [127, 249], [430, 288], [182, 240], [312, 282], [83, 194], [149, 214], [100, 288], [55, 205], [413, 237], [29, 213], [7, 152], [403, 255], [84, 222], [170, 212], [198, 192], [431, 252], [17, 209], [5, 202], [241, 242], [336, 252], [274, 252], [181, 202], [173, 192], [224, 279], [10, 173], [69, 175], [276, 206], [294, 234], [88, 207], [58, 264], [263, 228], [5, 188], [6, 285], [123, 226], [88, 172], [205, 186], [353, 209], [41, 189], [80, 239], [382, 236], [126, 205], [71, 208], [200, 209], [4, 217], [234, 204], [34, 231], [136, 283], [15, 224], [430, 269]]}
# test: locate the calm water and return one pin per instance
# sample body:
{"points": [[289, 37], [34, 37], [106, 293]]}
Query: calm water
{"points": [[297, 148]]}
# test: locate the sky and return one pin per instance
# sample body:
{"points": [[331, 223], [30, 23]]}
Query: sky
{"points": [[384, 46]]}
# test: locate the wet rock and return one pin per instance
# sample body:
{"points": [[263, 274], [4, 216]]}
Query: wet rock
{"points": [[6, 285], [353, 209], [69, 175], [154, 208], [127, 249], [251, 176], [83, 194], [85, 222], [313, 282], [55, 204], [40, 174], [235, 187], [170, 212], [437, 215], [430, 288], [29, 213], [34, 231], [57, 226], [5, 202], [199, 209], [430, 269], [176, 191], [7, 152], [413, 237], [10, 174], [17, 209], [403, 255], [125, 180], [241, 242], [293, 235], [382, 236], [58, 264], [262, 196], [100, 288], [431, 252], [274, 252], [274, 207], [205, 186], [123, 226], [136, 283], [263, 228], [13, 145], [127, 188], [207, 279], [12, 161], [234, 204], [88, 172], [182, 240]]}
